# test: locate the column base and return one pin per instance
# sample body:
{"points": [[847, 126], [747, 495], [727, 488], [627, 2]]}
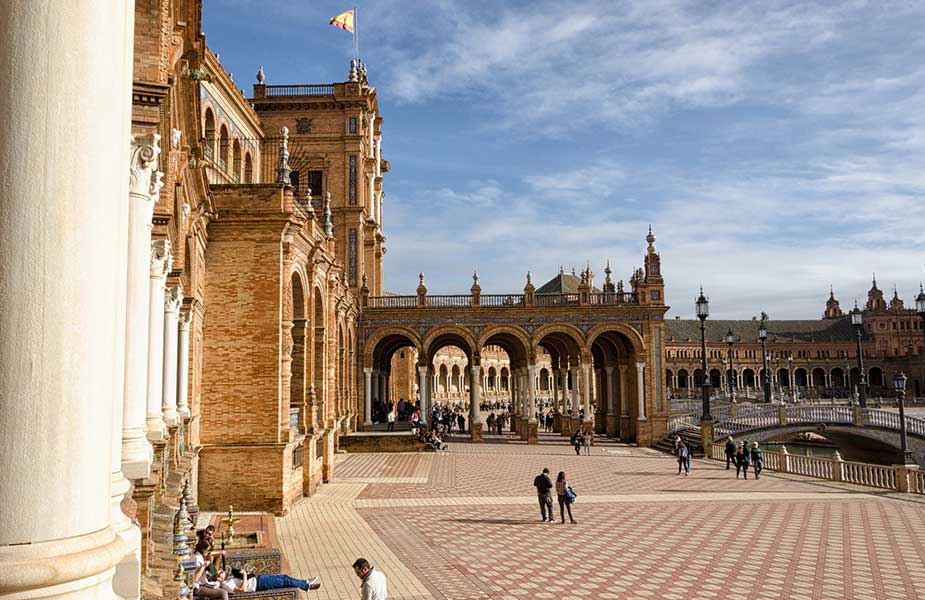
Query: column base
{"points": [[565, 426], [557, 423], [644, 432], [137, 458], [706, 437], [514, 423], [475, 431], [156, 430], [626, 429], [171, 419], [532, 431], [612, 426], [75, 567]]}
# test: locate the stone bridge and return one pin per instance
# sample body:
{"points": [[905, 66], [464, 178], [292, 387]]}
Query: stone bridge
{"points": [[763, 422]]}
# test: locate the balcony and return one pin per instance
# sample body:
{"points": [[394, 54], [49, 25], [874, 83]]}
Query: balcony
{"points": [[458, 301], [300, 90]]}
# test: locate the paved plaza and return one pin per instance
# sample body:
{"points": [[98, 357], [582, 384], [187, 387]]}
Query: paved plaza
{"points": [[464, 524]]}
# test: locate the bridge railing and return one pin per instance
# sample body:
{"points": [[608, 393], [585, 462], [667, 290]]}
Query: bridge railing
{"points": [[819, 414], [890, 420], [686, 421], [899, 478]]}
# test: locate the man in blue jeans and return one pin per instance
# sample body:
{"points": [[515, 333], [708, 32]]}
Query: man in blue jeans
{"points": [[242, 582]]}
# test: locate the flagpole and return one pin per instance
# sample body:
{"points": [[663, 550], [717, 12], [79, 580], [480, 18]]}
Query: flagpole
{"points": [[356, 34]]}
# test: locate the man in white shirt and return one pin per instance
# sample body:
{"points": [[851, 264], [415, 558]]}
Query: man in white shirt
{"points": [[374, 584]]}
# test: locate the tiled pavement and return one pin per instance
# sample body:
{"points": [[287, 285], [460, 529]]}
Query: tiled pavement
{"points": [[464, 524]]}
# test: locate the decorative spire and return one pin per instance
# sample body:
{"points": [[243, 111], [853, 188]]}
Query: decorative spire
{"points": [[328, 224], [561, 270], [831, 293], [421, 278], [607, 270], [282, 166], [475, 278], [528, 278], [650, 239], [261, 76], [353, 71], [874, 282], [364, 283], [309, 208]]}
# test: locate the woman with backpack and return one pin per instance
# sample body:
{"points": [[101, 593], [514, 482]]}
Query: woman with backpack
{"points": [[684, 459], [565, 495]]}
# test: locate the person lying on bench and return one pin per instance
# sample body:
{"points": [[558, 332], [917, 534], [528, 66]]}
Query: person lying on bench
{"points": [[242, 582]]}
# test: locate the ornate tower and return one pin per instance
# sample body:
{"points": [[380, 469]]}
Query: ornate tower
{"points": [[875, 301], [335, 148], [832, 308], [649, 283]]}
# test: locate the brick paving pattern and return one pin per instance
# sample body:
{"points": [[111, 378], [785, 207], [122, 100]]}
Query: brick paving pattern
{"points": [[464, 524]]}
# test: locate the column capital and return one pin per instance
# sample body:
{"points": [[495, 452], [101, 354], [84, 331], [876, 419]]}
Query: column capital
{"points": [[608, 369], [368, 371], [144, 179], [173, 298], [185, 318], [622, 368], [640, 366], [161, 259]]}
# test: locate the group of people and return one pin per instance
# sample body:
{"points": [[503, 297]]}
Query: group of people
{"points": [[446, 418], [564, 493], [212, 581], [497, 422], [581, 439], [742, 455], [431, 438]]}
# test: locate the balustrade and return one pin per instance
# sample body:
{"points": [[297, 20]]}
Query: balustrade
{"points": [[835, 469], [300, 90]]}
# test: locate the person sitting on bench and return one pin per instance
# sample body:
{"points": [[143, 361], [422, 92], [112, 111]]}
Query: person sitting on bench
{"points": [[242, 582]]}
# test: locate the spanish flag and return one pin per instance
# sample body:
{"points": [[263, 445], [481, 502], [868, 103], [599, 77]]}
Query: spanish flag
{"points": [[344, 20]]}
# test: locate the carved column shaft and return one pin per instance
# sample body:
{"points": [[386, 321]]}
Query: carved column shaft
{"points": [[160, 265]]}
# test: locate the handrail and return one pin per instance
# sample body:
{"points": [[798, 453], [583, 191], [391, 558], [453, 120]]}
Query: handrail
{"points": [[301, 90]]}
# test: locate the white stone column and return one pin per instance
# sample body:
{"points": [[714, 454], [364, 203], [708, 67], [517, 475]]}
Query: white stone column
{"points": [[160, 266], [371, 193], [475, 395], [186, 318], [608, 387], [378, 156], [368, 371], [531, 393], [63, 231], [172, 301], [144, 187], [423, 386], [372, 131], [641, 390], [624, 403], [555, 390], [586, 390]]}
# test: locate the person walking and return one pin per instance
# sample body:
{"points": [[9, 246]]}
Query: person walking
{"points": [[757, 460], [586, 440], [391, 419], [730, 451], [577, 441], [563, 490], [742, 461], [374, 586], [684, 459], [543, 485]]}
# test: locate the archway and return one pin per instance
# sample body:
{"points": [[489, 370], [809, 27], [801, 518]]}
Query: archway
{"points": [[800, 378], [209, 148], [236, 161], [748, 378], [875, 377], [819, 377], [838, 378], [507, 350], [323, 416], [223, 148], [392, 376], [299, 419], [248, 168], [623, 404], [683, 381]]}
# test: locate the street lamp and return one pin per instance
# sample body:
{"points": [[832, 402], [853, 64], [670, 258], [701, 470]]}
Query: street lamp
{"points": [[899, 384], [857, 321], [730, 340], [763, 336], [793, 397], [703, 311], [920, 309]]}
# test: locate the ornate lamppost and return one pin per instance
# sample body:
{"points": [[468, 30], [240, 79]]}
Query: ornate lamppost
{"points": [[857, 321], [765, 380], [920, 309], [703, 311], [790, 381], [730, 340], [899, 384]]}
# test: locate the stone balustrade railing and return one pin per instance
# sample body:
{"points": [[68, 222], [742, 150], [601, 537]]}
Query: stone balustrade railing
{"points": [[475, 300], [734, 419], [900, 478]]}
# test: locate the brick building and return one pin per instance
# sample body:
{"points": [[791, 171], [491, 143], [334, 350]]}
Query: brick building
{"points": [[807, 358]]}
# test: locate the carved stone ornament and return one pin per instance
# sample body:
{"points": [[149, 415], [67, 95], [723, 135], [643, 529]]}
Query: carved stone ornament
{"points": [[303, 125], [145, 151], [156, 185], [161, 261], [186, 213], [173, 298], [287, 301], [175, 135], [186, 317]]}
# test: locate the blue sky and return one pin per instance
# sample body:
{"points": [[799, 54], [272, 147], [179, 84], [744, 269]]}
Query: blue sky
{"points": [[774, 147]]}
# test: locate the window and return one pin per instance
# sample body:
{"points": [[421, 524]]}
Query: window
{"points": [[352, 127], [248, 169], [223, 148], [315, 180], [656, 295], [294, 180], [353, 179]]}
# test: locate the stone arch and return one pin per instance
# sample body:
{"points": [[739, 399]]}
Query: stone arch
{"points": [[513, 340], [800, 377], [236, 157], [209, 131], [385, 333], [818, 377], [448, 335], [223, 145], [248, 168], [295, 313], [570, 333], [319, 354], [683, 379], [837, 376], [634, 337], [748, 378], [875, 377]]}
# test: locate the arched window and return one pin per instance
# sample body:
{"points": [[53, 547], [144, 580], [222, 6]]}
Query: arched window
{"points": [[236, 160], [210, 134], [544, 379], [223, 148], [248, 168], [492, 374]]}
